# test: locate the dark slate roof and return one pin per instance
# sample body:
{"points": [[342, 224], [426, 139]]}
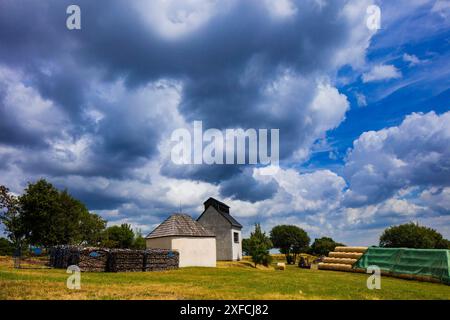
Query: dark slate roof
{"points": [[180, 225], [232, 220], [212, 200], [223, 209]]}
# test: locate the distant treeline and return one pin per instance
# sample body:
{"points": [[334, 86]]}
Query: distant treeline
{"points": [[292, 241], [45, 216]]}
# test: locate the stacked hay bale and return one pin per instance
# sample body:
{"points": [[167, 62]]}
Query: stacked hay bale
{"points": [[160, 260], [125, 260], [342, 258]]}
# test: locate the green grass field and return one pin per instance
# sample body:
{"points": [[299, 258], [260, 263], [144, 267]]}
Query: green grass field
{"points": [[235, 281]]}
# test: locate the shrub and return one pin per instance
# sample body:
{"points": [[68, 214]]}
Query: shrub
{"points": [[259, 245]]}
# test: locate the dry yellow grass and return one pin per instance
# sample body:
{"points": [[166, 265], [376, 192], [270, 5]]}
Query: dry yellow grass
{"points": [[231, 280], [242, 264]]}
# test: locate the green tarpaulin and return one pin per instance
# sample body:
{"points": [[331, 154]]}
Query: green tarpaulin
{"points": [[420, 262]]}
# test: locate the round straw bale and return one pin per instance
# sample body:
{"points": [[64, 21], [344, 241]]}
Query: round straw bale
{"points": [[281, 266]]}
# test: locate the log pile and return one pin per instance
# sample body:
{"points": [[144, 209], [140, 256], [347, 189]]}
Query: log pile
{"points": [[124, 260], [62, 256], [160, 260], [92, 259], [113, 260]]}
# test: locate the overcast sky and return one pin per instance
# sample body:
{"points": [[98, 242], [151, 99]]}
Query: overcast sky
{"points": [[363, 114]]}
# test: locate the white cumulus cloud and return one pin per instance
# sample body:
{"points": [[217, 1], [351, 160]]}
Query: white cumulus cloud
{"points": [[381, 72]]}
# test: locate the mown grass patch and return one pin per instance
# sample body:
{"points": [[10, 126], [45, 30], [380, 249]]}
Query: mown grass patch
{"points": [[230, 280]]}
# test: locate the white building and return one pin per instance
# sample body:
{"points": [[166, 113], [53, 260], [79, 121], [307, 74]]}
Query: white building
{"points": [[195, 244]]}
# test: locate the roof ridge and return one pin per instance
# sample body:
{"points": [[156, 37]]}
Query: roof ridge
{"points": [[180, 225]]}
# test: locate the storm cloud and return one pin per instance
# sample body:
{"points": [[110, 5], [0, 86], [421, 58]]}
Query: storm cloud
{"points": [[92, 110]]}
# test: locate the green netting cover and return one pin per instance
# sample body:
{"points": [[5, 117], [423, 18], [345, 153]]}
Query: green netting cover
{"points": [[422, 262]]}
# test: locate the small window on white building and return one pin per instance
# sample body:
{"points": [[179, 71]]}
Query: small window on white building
{"points": [[236, 237]]}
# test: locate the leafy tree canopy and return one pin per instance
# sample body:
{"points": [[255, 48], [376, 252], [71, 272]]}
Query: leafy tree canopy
{"points": [[10, 216], [414, 236], [290, 240], [119, 237], [323, 246], [139, 241], [45, 216], [6, 247]]}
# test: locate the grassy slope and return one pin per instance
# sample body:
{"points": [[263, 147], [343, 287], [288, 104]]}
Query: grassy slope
{"points": [[229, 281]]}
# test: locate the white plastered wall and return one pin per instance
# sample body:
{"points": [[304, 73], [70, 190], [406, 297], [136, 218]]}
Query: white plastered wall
{"points": [[194, 251], [236, 247]]}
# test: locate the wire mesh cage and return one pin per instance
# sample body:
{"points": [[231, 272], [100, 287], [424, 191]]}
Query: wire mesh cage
{"points": [[31, 258]]}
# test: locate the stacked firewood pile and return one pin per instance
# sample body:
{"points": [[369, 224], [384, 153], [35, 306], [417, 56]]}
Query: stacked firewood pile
{"points": [[63, 256], [160, 260], [92, 259], [113, 260], [124, 260], [88, 259]]}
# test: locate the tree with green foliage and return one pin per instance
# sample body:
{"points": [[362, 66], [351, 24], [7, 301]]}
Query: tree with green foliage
{"points": [[6, 247], [10, 217], [414, 236], [49, 217], [139, 241], [118, 237], [91, 229], [45, 216], [444, 244], [52, 217], [259, 245], [245, 247], [290, 240], [323, 246]]}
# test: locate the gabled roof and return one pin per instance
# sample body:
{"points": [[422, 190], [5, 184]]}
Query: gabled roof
{"points": [[223, 209], [180, 225]]}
